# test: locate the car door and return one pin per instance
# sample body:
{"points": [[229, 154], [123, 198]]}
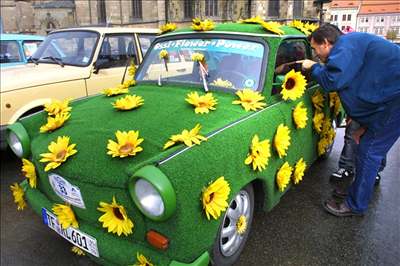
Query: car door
{"points": [[117, 50]]}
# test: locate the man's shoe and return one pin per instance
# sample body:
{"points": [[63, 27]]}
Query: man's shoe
{"points": [[340, 193], [339, 209], [341, 174]]}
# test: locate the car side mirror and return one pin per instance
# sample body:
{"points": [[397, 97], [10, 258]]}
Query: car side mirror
{"points": [[99, 64], [278, 80]]}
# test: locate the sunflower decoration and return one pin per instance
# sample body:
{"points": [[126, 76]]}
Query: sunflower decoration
{"points": [[334, 102], [187, 137], [128, 102], [163, 54], [311, 27], [241, 225], [205, 25], [29, 171], [18, 194], [250, 100], [60, 151], [300, 115], [318, 120], [115, 218], [129, 82], [282, 140], [283, 176], [198, 57], [55, 122], [57, 107], [214, 198], [300, 26], [168, 27], [65, 216], [142, 260], [273, 27], [323, 144], [293, 86], [299, 169], [252, 20], [203, 104], [127, 144], [77, 251], [318, 100], [222, 83], [120, 89], [327, 130], [132, 69], [259, 153]]}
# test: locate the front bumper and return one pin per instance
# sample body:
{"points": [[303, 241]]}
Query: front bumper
{"points": [[113, 250]]}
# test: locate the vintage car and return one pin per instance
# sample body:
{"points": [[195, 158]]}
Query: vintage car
{"points": [[172, 173], [16, 49], [71, 63]]}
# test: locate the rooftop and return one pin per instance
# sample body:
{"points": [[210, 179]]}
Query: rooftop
{"points": [[379, 7]]}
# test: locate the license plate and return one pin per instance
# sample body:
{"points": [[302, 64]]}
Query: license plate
{"points": [[76, 237]]}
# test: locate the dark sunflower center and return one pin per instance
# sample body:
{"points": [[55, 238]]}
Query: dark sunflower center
{"points": [[290, 83], [203, 104], [118, 213], [61, 155], [126, 148], [210, 198], [197, 23]]}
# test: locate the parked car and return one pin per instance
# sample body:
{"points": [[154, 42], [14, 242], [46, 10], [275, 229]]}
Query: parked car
{"points": [[71, 63], [175, 177], [15, 49]]}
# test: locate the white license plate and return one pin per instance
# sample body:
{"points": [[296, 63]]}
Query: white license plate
{"points": [[76, 237]]}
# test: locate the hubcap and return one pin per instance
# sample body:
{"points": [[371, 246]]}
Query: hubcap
{"points": [[230, 239]]}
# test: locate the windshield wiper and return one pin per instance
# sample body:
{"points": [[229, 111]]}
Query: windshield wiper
{"points": [[33, 60], [54, 59]]}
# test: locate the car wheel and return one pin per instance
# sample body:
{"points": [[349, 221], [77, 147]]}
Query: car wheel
{"points": [[232, 236]]}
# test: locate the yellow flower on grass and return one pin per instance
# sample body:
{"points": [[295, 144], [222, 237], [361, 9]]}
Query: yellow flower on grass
{"points": [[203, 104], [241, 224], [299, 169], [187, 137], [204, 25], [282, 140], [300, 115], [167, 27], [54, 123], [259, 153], [222, 83], [127, 144], [18, 194], [252, 20], [120, 89], [65, 216], [59, 153], [273, 27], [128, 102], [57, 107], [197, 57], [334, 102], [163, 54], [142, 260], [214, 198], [283, 176], [250, 100], [318, 120], [293, 86], [115, 218], [78, 251], [300, 26], [29, 171], [318, 100]]}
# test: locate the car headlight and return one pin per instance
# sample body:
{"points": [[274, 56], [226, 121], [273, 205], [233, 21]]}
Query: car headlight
{"points": [[18, 140], [153, 193]]}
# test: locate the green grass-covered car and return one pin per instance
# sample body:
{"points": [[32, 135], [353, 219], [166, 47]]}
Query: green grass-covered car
{"points": [[220, 122]]}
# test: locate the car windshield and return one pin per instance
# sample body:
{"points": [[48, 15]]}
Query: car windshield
{"points": [[68, 47], [228, 63]]}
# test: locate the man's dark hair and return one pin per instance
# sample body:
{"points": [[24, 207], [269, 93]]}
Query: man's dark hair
{"points": [[327, 31]]}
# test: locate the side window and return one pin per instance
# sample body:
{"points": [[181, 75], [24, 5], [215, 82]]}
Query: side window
{"points": [[9, 52], [145, 41], [30, 47], [115, 50]]}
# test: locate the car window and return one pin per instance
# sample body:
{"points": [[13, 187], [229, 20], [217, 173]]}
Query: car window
{"points": [[115, 49], [30, 47], [9, 52], [227, 62], [145, 42]]}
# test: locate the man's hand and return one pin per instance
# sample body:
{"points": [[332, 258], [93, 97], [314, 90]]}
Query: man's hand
{"points": [[307, 63], [358, 134]]}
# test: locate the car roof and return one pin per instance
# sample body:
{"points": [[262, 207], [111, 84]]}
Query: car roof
{"points": [[22, 37], [111, 29]]}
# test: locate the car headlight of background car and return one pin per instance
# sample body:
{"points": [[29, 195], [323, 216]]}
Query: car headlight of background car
{"points": [[153, 193], [18, 140]]}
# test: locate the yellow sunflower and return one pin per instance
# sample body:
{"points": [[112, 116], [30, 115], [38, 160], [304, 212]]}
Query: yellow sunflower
{"points": [[327, 130], [132, 69], [163, 54], [282, 140], [273, 27], [120, 89], [18, 194], [318, 120], [311, 27], [214, 198], [293, 86], [167, 27], [300, 26], [59, 153], [204, 25], [127, 83], [323, 143], [65, 216], [283, 176], [334, 102], [187, 137], [142, 260], [252, 20], [56, 107], [299, 169], [250, 100], [222, 83], [78, 251], [115, 218], [203, 104], [54, 123], [197, 57], [241, 225], [127, 144], [29, 171], [259, 154], [318, 100], [128, 102], [300, 115]]}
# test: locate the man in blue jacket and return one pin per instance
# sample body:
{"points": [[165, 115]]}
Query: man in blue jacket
{"points": [[365, 70]]}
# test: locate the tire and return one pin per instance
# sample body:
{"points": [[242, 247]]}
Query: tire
{"points": [[227, 249]]}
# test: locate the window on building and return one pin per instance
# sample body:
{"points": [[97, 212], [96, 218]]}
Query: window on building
{"points": [[211, 8], [188, 9], [273, 8], [344, 17], [366, 19], [102, 11], [335, 18], [137, 9], [349, 17], [343, 27], [382, 19], [298, 7]]}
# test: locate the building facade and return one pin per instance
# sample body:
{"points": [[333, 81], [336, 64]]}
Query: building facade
{"points": [[344, 14]]}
